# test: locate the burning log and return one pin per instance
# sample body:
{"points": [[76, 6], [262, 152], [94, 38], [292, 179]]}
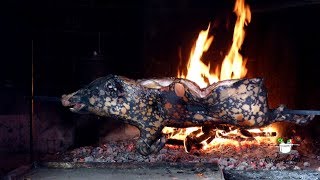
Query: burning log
{"points": [[208, 133], [153, 104]]}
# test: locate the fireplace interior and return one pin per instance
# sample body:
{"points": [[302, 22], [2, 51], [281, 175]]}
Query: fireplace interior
{"points": [[53, 48]]}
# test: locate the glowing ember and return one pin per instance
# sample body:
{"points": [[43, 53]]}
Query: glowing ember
{"points": [[178, 133], [233, 67], [260, 135]]}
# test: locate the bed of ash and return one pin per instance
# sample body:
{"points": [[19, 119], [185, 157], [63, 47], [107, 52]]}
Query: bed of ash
{"points": [[246, 156]]}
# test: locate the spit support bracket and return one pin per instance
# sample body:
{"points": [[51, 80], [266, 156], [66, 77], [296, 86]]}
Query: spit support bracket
{"points": [[302, 112]]}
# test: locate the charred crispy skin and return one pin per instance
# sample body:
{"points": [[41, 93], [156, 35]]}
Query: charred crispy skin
{"points": [[152, 104]]}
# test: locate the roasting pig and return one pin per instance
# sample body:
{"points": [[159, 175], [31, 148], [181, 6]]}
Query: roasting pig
{"points": [[152, 104]]}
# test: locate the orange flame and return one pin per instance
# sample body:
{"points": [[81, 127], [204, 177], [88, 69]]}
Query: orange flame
{"points": [[233, 67], [196, 68]]}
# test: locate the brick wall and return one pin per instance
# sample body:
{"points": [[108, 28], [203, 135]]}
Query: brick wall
{"points": [[14, 132]]}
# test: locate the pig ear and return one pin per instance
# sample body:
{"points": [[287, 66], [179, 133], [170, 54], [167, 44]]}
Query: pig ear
{"points": [[179, 89]]}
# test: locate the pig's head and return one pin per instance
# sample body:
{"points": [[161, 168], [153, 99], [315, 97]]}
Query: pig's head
{"points": [[92, 98]]}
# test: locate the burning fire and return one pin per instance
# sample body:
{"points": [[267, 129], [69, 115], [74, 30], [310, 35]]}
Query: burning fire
{"points": [[197, 70], [233, 67]]}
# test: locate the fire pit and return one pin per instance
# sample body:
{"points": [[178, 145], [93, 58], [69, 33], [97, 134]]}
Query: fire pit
{"points": [[198, 124], [212, 117]]}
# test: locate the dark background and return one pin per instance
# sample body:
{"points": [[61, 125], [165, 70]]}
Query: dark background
{"points": [[142, 39]]}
